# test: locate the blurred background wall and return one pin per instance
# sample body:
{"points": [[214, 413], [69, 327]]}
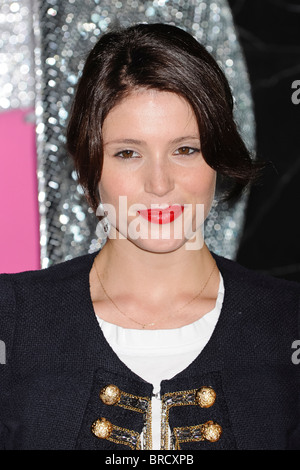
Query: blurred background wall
{"points": [[268, 32]]}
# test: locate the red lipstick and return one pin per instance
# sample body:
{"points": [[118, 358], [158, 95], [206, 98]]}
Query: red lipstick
{"points": [[162, 216]]}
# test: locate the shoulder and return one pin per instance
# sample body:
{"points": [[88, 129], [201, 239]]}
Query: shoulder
{"points": [[41, 288], [246, 278], [42, 296], [61, 272], [265, 311], [271, 303]]}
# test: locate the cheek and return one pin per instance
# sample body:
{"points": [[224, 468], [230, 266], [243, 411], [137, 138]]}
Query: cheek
{"points": [[202, 185], [211, 183], [112, 187], [109, 186], [204, 190]]}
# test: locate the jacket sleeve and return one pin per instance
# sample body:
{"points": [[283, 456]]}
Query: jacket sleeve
{"points": [[7, 324]]}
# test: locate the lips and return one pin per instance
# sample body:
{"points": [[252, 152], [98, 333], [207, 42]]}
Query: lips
{"points": [[162, 216]]}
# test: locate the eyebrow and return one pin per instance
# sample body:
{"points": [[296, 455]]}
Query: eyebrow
{"points": [[141, 142]]}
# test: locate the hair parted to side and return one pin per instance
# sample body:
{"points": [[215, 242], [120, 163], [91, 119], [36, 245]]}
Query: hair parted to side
{"points": [[166, 58]]}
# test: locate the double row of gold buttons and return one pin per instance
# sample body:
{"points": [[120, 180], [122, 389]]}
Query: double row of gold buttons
{"points": [[204, 397]]}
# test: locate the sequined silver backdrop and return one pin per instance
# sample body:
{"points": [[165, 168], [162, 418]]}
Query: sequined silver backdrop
{"points": [[64, 32], [17, 74]]}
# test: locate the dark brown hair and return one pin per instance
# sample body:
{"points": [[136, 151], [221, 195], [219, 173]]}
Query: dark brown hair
{"points": [[166, 58]]}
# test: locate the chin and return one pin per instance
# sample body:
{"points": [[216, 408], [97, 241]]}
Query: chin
{"points": [[159, 246], [167, 244], [160, 239]]}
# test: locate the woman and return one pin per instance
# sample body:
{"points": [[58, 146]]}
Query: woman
{"points": [[152, 342]]}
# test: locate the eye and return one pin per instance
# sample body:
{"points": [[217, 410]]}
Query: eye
{"points": [[186, 151], [127, 154]]}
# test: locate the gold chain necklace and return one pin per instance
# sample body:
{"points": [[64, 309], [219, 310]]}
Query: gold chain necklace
{"points": [[145, 325]]}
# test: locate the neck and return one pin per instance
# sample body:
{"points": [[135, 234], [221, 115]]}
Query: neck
{"points": [[127, 268]]}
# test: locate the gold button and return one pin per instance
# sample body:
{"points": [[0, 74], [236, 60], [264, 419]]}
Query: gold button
{"points": [[110, 395], [205, 397], [102, 428], [211, 431]]}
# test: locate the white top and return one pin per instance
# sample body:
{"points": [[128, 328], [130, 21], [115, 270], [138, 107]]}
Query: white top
{"points": [[157, 355]]}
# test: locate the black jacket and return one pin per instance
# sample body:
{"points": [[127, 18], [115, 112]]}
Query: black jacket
{"points": [[57, 361]]}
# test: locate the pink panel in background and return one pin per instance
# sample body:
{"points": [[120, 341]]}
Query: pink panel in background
{"points": [[19, 216]]}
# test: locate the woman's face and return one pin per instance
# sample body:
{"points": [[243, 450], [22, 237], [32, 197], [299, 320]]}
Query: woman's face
{"points": [[153, 160]]}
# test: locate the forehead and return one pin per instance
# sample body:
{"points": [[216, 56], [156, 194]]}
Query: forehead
{"points": [[151, 112]]}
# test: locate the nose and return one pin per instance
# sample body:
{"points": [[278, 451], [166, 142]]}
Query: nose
{"points": [[159, 178]]}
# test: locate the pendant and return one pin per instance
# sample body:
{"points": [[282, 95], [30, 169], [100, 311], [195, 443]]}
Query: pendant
{"points": [[149, 324]]}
